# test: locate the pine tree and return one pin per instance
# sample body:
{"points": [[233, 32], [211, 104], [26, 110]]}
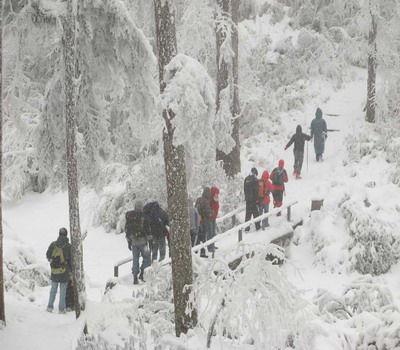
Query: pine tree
{"points": [[231, 160], [175, 169], [372, 64], [72, 174], [2, 305]]}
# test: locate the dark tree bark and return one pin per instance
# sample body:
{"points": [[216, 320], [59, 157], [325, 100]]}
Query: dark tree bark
{"points": [[175, 169], [231, 161], [72, 173], [372, 65], [2, 305]]}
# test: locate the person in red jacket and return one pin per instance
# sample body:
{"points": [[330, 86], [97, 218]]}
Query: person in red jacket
{"points": [[264, 189], [214, 203], [278, 178]]}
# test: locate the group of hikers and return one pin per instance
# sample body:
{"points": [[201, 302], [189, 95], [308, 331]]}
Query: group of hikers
{"points": [[147, 226]]}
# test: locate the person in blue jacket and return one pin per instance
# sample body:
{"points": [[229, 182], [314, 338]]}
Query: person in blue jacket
{"points": [[319, 131]]}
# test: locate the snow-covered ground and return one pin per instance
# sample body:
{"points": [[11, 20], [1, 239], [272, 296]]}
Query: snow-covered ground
{"points": [[36, 219]]}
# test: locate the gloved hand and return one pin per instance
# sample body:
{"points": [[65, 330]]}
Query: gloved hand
{"points": [[285, 148]]}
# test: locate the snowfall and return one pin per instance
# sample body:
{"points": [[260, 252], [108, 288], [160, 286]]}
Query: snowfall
{"points": [[318, 258]]}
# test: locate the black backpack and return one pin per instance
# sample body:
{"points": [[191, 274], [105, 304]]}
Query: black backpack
{"points": [[134, 226], [156, 217], [277, 176], [250, 188]]}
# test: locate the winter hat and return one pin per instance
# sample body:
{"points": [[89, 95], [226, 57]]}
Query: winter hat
{"points": [[139, 205], [63, 231], [206, 193], [254, 171], [214, 191], [318, 113], [281, 163], [265, 175], [298, 129]]}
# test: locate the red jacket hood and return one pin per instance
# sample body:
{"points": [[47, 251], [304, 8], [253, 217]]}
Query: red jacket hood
{"points": [[265, 175], [214, 191], [281, 163]]}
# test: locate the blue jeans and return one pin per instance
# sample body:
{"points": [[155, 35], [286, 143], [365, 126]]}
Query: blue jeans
{"points": [[264, 208], [137, 251], [53, 293], [158, 245]]}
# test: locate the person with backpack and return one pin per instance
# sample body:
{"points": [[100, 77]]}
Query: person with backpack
{"points": [[299, 139], [278, 178], [319, 131], [264, 189], [251, 197], [138, 236], [157, 220], [194, 218], [59, 256], [204, 208], [214, 204]]}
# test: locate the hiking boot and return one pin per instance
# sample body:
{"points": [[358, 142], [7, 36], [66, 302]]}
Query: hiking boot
{"points": [[141, 276], [298, 177], [62, 311], [69, 309], [49, 309], [135, 280]]}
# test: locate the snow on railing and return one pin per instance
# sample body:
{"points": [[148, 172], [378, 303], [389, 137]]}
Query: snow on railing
{"points": [[239, 229]]}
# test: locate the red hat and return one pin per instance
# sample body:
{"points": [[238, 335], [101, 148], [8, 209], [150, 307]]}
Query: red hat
{"points": [[214, 191], [265, 175], [281, 163]]}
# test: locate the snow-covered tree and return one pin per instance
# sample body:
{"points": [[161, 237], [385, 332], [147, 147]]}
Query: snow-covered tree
{"points": [[70, 89], [2, 306], [175, 170]]}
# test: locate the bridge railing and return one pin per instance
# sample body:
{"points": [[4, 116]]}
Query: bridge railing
{"points": [[236, 229]]}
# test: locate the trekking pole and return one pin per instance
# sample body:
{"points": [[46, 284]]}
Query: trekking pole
{"points": [[307, 157]]}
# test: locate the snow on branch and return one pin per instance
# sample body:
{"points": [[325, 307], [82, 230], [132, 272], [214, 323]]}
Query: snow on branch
{"points": [[190, 94]]}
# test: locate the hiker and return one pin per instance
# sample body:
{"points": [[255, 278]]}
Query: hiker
{"points": [[59, 256], [214, 204], [278, 178], [251, 197], [157, 221], [264, 189], [138, 236], [204, 208], [194, 218], [320, 134], [299, 139]]}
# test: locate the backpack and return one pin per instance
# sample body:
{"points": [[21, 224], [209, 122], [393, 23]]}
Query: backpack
{"points": [[277, 177], [156, 217], [134, 224], [58, 264]]}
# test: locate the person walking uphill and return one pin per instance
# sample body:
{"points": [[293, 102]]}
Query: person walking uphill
{"points": [[157, 220], [251, 197], [299, 139], [278, 178], [319, 131], [59, 256], [264, 189], [203, 206], [137, 232]]}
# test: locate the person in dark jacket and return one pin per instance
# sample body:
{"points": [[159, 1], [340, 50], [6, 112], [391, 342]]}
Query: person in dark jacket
{"points": [[278, 178], [59, 256], [204, 208], [299, 139], [157, 220], [251, 197], [138, 236], [319, 131]]}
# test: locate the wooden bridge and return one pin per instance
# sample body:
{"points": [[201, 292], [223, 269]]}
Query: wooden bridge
{"points": [[281, 237]]}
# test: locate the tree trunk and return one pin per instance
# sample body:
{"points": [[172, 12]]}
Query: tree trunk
{"points": [[175, 169], [2, 305], [231, 161], [72, 173], [372, 64]]}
